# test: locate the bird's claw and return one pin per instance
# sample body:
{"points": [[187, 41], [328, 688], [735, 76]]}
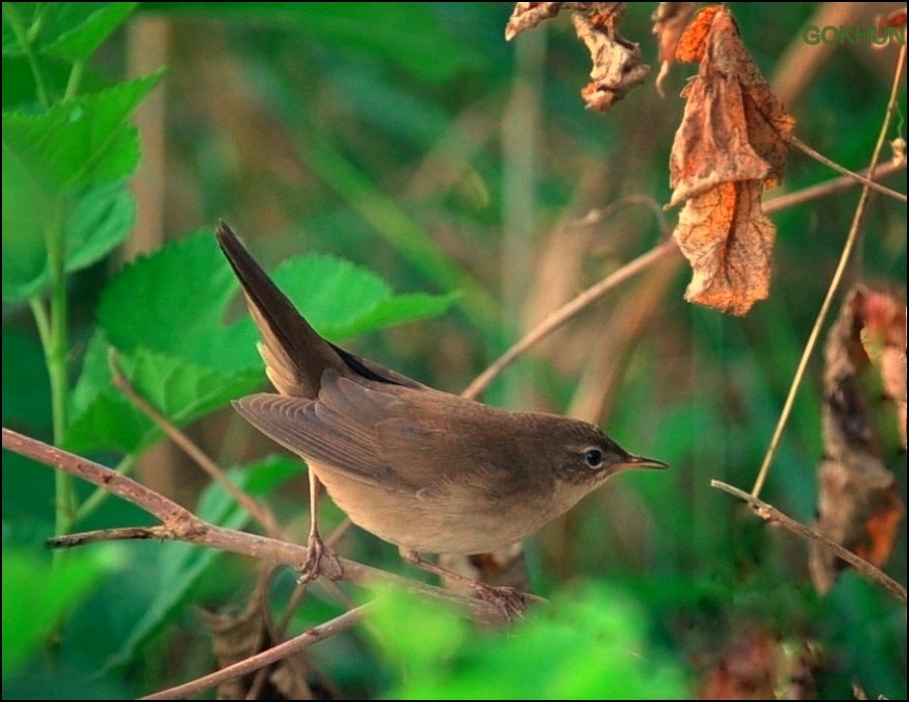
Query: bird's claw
{"points": [[314, 566], [510, 601]]}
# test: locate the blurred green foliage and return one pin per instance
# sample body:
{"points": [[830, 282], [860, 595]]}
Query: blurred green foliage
{"points": [[408, 143]]}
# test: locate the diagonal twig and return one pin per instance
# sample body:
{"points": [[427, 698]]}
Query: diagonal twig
{"points": [[772, 514], [858, 222]]}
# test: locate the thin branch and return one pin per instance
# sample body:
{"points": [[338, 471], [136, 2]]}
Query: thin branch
{"points": [[864, 180], [632, 268], [179, 524], [248, 665], [831, 187], [214, 471], [772, 514], [851, 240], [566, 312]]}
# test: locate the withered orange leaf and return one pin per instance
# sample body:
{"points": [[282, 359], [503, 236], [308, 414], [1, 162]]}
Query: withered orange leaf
{"points": [[692, 45], [858, 504], [730, 272], [617, 66], [728, 148]]}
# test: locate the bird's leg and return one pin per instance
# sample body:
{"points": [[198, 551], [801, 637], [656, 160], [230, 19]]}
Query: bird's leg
{"points": [[315, 548], [511, 601]]}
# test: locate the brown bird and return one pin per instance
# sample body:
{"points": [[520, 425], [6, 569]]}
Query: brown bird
{"points": [[425, 470]]}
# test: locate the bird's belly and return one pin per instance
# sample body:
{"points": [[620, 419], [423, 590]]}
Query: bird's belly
{"points": [[429, 525]]}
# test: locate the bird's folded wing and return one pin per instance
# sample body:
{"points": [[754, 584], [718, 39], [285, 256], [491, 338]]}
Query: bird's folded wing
{"points": [[337, 430]]}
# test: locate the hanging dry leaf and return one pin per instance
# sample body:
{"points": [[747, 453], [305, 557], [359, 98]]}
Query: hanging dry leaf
{"points": [[527, 15], [858, 505], [728, 148], [723, 267], [884, 340], [617, 66], [238, 636], [669, 22]]}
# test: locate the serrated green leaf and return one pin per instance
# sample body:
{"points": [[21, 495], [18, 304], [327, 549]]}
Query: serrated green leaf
{"points": [[342, 300], [83, 141], [103, 419], [83, 27], [399, 309], [329, 291], [174, 301], [184, 564], [101, 219], [140, 308], [179, 354], [70, 30]]}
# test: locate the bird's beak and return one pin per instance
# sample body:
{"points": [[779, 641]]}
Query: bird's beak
{"points": [[642, 462]]}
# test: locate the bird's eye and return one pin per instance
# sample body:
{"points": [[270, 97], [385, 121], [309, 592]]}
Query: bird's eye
{"points": [[593, 458]]}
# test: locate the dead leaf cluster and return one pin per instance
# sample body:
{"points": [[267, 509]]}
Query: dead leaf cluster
{"points": [[858, 503]]}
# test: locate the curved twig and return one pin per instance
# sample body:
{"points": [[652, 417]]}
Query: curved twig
{"points": [[772, 514]]}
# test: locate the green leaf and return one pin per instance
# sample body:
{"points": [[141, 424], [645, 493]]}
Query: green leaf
{"points": [[70, 30], [399, 309], [342, 300], [589, 644], [83, 141], [179, 354], [84, 26], [103, 419], [184, 565], [102, 218], [26, 212], [51, 589], [140, 308], [174, 301], [393, 616]]}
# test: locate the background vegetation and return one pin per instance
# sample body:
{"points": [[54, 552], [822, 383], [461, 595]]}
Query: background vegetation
{"points": [[411, 140]]}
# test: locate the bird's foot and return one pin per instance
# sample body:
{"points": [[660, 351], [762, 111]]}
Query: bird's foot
{"points": [[510, 601], [314, 565]]}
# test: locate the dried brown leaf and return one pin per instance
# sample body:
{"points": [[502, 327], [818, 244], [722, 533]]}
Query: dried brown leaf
{"points": [[728, 148], [732, 271], [858, 504], [527, 15], [617, 66], [238, 636]]}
